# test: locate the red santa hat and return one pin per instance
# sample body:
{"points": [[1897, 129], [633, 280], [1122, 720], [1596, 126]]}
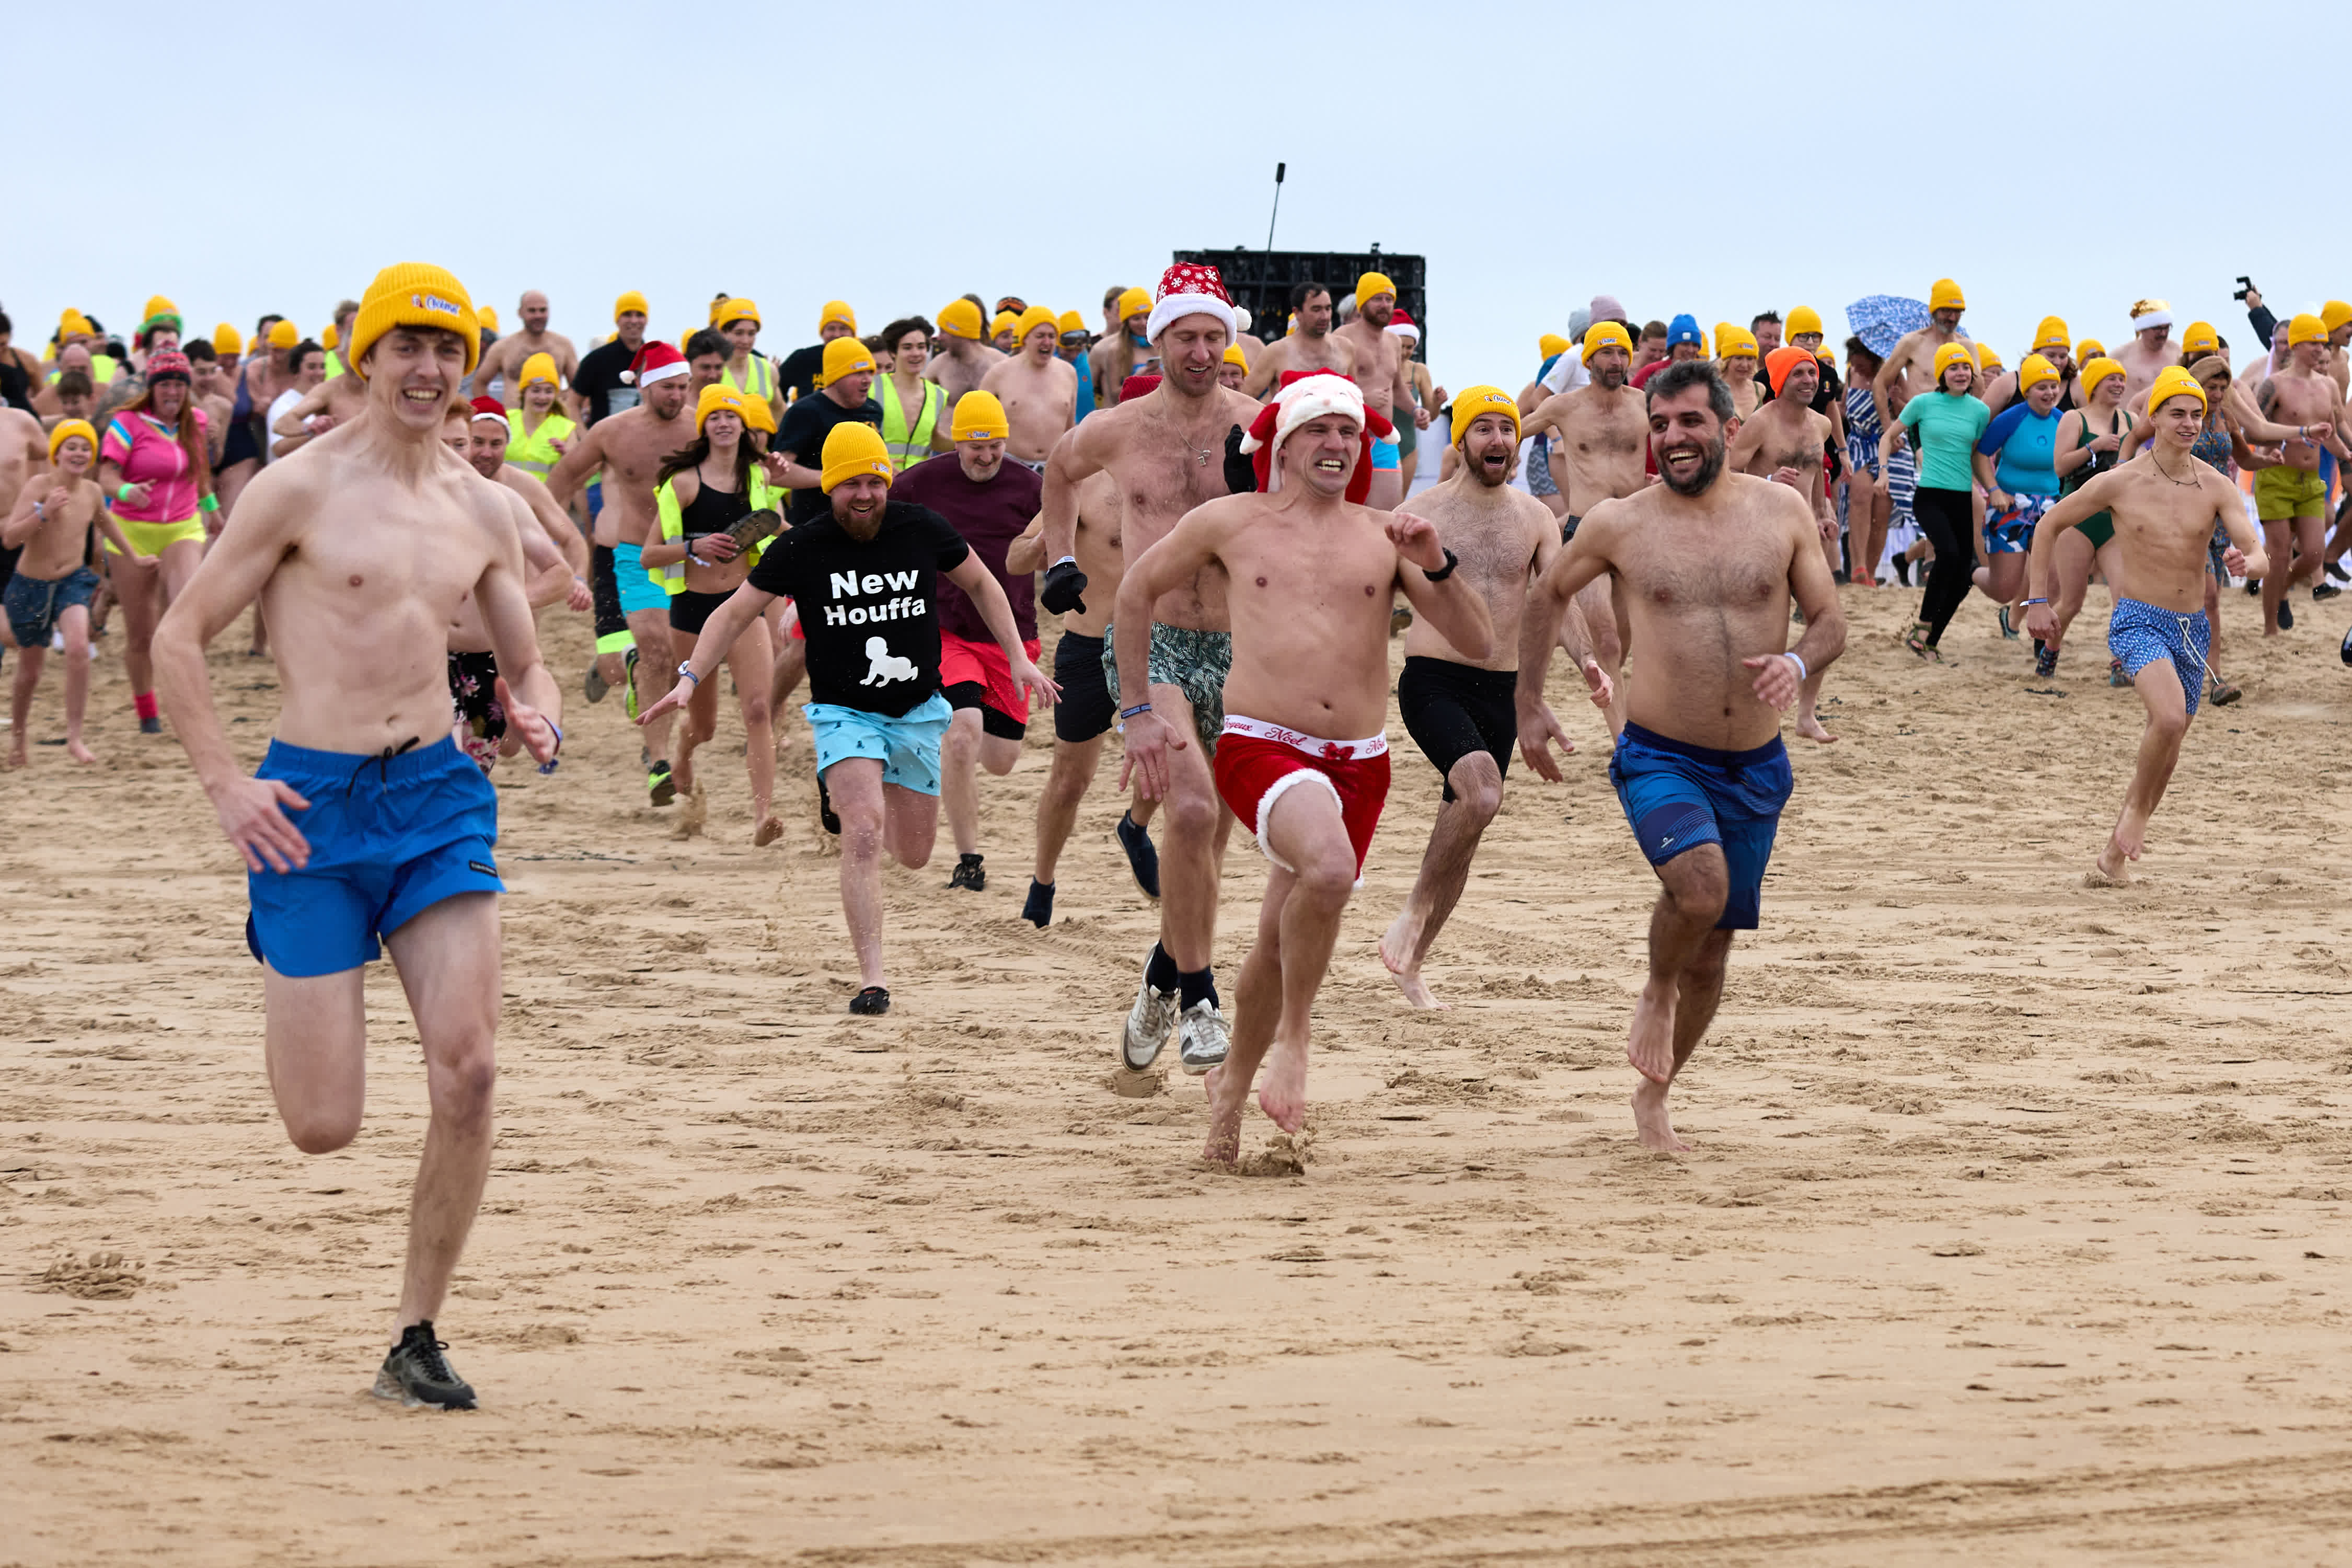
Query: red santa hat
{"points": [[1402, 324], [657, 361], [1189, 289], [491, 408], [1311, 394], [1135, 386]]}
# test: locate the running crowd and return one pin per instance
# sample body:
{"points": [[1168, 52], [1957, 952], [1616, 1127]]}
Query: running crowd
{"points": [[1219, 520]]}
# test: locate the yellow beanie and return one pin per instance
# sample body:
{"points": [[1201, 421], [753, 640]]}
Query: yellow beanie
{"points": [[1002, 322], [1949, 355], [157, 306], [1606, 335], [1473, 401], [837, 311], [73, 323], [2089, 349], [1946, 296], [2174, 382], [487, 316], [844, 356], [1371, 284], [2303, 328], [959, 319], [2033, 372], [1733, 342], [979, 416], [1234, 355], [735, 311], [1071, 321], [1988, 358], [538, 367], [2334, 314], [1035, 317], [2199, 339], [1802, 320], [329, 337], [854, 447], [67, 430], [284, 334], [2097, 369], [1134, 302], [2051, 334], [414, 294], [227, 341], [1551, 344], [716, 397], [630, 301]]}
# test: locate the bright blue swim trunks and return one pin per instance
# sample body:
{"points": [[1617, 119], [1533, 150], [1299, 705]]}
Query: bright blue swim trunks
{"points": [[908, 747], [638, 592], [1387, 456], [390, 837], [2140, 634], [1678, 796]]}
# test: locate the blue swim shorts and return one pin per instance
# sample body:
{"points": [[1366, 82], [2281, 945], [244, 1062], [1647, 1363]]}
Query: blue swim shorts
{"points": [[1678, 796], [35, 604], [908, 747], [638, 592], [2140, 634], [390, 837], [1387, 457]]}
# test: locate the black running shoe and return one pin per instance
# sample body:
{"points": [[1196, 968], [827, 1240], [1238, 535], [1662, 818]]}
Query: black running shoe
{"points": [[2286, 617], [2324, 591], [416, 1374], [660, 786], [2253, 587], [1142, 855], [969, 874], [151, 726], [1039, 909], [870, 1003]]}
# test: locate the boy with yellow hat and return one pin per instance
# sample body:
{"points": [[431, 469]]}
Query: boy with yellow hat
{"points": [[51, 589]]}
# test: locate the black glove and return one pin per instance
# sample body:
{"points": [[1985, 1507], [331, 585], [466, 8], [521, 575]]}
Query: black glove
{"points": [[1064, 585], [1241, 473]]}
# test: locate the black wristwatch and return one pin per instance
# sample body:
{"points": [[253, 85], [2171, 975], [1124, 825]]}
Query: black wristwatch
{"points": [[1443, 573]]}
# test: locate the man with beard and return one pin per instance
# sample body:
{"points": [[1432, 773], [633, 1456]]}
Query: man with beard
{"points": [[1038, 391], [1601, 433], [1910, 369], [1381, 361], [502, 364], [865, 574], [1312, 574], [1313, 346], [1707, 562], [1458, 711], [1783, 442], [629, 449], [1163, 446]]}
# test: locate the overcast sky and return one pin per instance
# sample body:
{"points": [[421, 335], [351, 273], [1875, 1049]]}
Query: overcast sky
{"points": [[1713, 158]]}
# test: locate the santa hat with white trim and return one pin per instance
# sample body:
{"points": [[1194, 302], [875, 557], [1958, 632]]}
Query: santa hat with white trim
{"points": [[1189, 289], [1310, 395], [657, 361]]}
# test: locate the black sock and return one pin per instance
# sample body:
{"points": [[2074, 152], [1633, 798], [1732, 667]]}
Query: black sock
{"points": [[1159, 972], [1200, 985]]}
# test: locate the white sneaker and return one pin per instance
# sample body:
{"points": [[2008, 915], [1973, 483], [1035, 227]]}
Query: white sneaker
{"points": [[1148, 1024], [1202, 1037]]}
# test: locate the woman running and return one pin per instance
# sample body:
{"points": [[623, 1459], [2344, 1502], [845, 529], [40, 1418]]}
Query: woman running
{"points": [[2012, 463], [1946, 423], [703, 492], [541, 430], [153, 467], [2089, 440], [1878, 497]]}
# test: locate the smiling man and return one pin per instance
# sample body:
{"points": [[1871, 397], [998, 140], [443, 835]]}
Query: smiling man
{"points": [[1705, 563], [1312, 575], [365, 819]]}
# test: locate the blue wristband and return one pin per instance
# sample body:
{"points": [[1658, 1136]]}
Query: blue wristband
{"points": [[1131, 713], [548, 766]]}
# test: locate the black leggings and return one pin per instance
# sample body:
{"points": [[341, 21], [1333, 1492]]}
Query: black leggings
{"points": [[1947, 519]]}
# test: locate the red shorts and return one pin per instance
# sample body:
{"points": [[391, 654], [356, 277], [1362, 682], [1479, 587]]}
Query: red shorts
{"points": [[963, 662], [1257, 762]]}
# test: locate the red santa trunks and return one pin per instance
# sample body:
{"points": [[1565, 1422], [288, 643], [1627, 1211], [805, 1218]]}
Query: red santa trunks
{"points": [[1257, 764]]}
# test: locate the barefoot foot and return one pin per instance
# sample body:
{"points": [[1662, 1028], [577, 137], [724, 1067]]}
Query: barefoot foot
{"points": [[1650, 1119], [80, 752], [1225, 1146], [766, 831], [1811, 729], [1650, 1048], [1397, 943], [1282, 1089]]}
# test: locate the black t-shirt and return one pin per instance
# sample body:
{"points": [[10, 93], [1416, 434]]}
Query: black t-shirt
{"points": [[15, 386], [870, 610], [798, 373], [599, 381], [801, 434]]}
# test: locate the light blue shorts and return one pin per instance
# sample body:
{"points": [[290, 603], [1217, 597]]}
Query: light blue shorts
{"points": [[638, 592], [908, 747], [1387, 457]]}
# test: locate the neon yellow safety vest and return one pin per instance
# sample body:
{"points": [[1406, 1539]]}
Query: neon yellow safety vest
{"points": [[535, 454], [758, 373], [671, 579], [334, 365], [908, 448], [101, 370]]}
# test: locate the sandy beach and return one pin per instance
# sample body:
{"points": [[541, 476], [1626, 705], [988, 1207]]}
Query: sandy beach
{"points": [[2012, 1230]]}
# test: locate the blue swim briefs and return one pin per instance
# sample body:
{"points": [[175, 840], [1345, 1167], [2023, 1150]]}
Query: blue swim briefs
{"points": [[2139, 634], [1678, 796], [908, 747], [389, 836], [638, 592], [1387, 457]]}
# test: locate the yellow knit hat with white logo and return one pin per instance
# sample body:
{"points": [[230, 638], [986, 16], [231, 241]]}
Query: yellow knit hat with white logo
{"points": [[414, 294]]}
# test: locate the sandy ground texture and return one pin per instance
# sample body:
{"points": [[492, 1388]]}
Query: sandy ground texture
{"points": [[2013, 1229]]}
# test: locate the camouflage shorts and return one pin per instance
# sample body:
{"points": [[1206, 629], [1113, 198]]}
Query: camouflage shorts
{"points": [[1195, 662]]}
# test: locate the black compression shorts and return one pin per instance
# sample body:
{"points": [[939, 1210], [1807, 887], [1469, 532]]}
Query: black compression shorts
{"points": [[1453, 710]]}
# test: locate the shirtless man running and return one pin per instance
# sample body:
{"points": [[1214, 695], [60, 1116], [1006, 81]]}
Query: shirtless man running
{"points": [[1601, 433], [1312, 575], [2292, 497], [629, 448], [1381, 361], [1458, 709], [503, 362], [1313, 346], [962, 361], [1782, 441], [1164, 448], [1038, 389], [1708, 560], [1911, 368], [2165, 504], [365, 818]]}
